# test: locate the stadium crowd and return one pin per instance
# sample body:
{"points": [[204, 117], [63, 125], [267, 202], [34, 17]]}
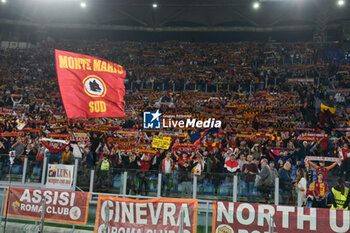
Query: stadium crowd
{"points": [[279, 104]]}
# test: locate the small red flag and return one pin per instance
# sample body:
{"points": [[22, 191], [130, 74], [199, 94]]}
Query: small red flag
{"points": [[90, 86]]}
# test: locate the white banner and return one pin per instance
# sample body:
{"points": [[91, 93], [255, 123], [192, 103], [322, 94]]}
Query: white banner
{"points": [[80, 137], [13, 45], [59, 176], [328, 159]]}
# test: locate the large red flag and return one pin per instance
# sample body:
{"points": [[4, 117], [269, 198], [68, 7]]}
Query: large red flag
{"points": [[90, 86]]}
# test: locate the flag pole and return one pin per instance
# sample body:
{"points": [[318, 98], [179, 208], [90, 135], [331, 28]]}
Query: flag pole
{"points": [[11, 158]]}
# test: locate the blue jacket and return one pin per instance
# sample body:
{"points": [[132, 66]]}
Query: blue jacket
{"points": [[285, 179], [277, 158], [304, 151]]}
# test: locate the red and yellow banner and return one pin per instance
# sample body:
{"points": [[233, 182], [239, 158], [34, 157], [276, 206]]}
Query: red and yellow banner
{"points": [[229, 217], [90, 86], [61, 206], [58, 135], [154, 215], [11, 134], [183, 147]]}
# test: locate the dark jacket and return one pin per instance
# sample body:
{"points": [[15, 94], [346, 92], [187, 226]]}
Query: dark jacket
{"points": [[304, 151], [285, 180], [185, 172]]}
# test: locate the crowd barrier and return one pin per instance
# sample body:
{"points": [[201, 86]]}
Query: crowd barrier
{"points": [[208, 186], [132, 213], [211, 186]]}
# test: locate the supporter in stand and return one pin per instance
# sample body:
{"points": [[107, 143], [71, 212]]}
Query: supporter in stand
{"points": [[185, 177], [216, 175], [309, 195], [200, 165], [95, 141], [183, 158], [322, 169], [300, 186], [19, 148], [305, 150], [265, 179], [242, 160], [309, 173], [157, 160], [284, 156], [55, 151], [320, 190], [286, 182], [274, 171], [30, 154], [255, 151], [167, 172], [88, 158], [143, 175], [258, 115], [67, 156], [130, 163], [102, 150], [344, 154], [250, 170]]}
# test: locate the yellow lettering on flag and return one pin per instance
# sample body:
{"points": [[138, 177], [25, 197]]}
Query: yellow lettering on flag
{"points": [[74, 63], [63, 61], [97, 65], [161, 142]]}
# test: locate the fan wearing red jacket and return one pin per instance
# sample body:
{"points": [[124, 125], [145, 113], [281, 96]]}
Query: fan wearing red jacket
{"points": [[309, 195], [183, 158], [55, 151]]}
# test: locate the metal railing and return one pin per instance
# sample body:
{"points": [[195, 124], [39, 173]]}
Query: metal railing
{"points": [[209, 186], [28, 172]]}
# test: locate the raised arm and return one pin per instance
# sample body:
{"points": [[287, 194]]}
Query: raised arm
{"points": [[51, 149], [331, 166], [106, 148], [312, 146], [14, 145], [313, 165], [98, 148], [194, 154], [289, 156], [176, 156]]}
